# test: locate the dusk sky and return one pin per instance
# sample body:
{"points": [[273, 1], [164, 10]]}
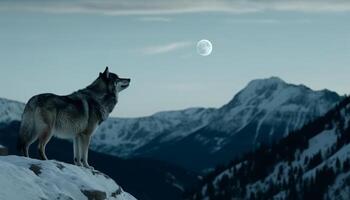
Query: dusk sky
{"points": [[47, 46]]}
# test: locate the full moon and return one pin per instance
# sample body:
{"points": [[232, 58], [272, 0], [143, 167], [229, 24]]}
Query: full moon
{"points": [[204, 47]]}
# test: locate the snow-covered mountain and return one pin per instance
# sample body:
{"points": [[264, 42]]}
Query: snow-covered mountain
{"points": [[30, 179], [10, 110], [124, 136], [272, 101], [144, 129], [311, 163], [197, 138]]}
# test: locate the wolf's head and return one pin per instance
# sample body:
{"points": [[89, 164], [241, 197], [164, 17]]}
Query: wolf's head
{"points": [[114, 83], [109, 83]]}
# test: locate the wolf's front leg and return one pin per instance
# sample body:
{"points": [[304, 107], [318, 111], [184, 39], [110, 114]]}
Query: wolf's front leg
{"points": [[85, 140], [77, 154]]}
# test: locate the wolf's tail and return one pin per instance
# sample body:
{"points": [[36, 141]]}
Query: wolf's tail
{"points": [[27, 130]]}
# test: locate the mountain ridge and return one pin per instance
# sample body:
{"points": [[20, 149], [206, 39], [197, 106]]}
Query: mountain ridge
{"points": [[257, 111], [265, 110], [310, 163]]}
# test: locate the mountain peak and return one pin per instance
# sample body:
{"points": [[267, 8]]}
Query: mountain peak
{"points": [[274, 88], [271, 80], [273, 95], [258, 87], [264, 83]]}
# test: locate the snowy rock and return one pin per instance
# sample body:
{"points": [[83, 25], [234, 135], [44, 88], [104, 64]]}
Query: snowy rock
{"points": [[25, 178]]}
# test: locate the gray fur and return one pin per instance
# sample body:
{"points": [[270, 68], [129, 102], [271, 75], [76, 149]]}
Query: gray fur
{"points": [[75, 116]]}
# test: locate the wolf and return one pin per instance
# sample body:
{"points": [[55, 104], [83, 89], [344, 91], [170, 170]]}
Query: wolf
{"points": [[75, 116]]}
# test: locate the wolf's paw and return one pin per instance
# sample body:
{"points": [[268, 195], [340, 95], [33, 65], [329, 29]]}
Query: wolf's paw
{"points": [[77, 163], [86, 165]]}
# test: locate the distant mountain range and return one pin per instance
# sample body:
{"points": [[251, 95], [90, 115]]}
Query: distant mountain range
{"points": [[265, 111], [310, 163]]}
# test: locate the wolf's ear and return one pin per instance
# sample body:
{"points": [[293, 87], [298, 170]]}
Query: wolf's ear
{"points": [[105, 73]]}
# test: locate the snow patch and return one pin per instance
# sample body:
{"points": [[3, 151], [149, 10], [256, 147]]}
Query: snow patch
{"points": [[53, 180]]}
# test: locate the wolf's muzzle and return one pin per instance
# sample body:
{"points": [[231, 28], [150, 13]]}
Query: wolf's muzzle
{"points": [[126, 82]]}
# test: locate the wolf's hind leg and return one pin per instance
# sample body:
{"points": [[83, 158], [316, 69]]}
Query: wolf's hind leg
{"points": [[43, 140], [76, 148], [26, 145], [26, 137]]}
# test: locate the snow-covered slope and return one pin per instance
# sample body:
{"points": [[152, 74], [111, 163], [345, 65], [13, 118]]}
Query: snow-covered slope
{"points": [[264, 111], [123, 136], [273, 101], [24, 178], [311, 163], [10, 110]]}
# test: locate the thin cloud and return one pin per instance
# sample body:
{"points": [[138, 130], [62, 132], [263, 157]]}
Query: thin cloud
{"points": [[254, 21], [166, 48], [152, 7], [154, 19], [267, 21]]}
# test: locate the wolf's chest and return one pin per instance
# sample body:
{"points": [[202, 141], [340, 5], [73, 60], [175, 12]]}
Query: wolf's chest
{"points": [[74, 118]]}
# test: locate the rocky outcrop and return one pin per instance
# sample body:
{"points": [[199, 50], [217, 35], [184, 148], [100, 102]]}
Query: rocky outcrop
{"points": [[25, 178]]}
